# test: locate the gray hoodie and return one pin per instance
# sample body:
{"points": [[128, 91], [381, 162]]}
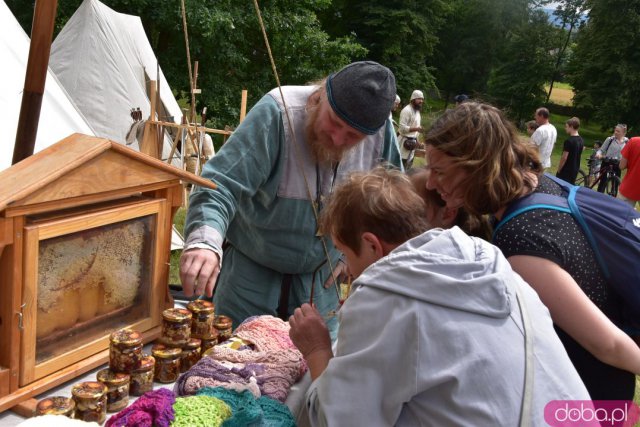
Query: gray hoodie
{"points": [[432, 336]]}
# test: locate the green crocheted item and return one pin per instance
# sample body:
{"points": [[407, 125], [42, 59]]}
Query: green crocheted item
{"points": [[200, 411], [249, 411]]}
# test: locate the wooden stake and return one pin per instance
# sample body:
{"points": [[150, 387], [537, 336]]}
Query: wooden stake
{"points": [[149, 143], [44, 16], [243, 105]]}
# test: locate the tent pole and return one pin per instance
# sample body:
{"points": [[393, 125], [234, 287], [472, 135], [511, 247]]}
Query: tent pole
{"points": [[44, 16]]}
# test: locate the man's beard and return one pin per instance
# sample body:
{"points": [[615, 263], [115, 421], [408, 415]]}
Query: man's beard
{"points": [[416, 107], [320, 144]]}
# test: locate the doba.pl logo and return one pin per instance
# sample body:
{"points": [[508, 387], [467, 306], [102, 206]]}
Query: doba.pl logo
{"points": [[591, 413]]}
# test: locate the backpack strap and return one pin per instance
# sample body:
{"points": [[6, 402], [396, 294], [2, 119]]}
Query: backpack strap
{"points": [[567, 204]]}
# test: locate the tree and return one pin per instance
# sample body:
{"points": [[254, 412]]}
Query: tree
{"points": [[571, 16], [398, 34], [605, 67], [471, 40], [226, 39], [517, 82]]}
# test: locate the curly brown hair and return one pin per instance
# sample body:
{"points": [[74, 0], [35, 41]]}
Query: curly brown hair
{"points": [[381, 201], [499, 164]]}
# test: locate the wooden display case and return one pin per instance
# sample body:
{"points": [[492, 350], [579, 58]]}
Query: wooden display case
{"points": [[85, 234]]}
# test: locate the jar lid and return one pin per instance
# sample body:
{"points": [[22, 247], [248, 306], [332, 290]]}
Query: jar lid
{"points": [[146, 363], [222, 322], [55, 405], [176, 315], [127, 337], [107, 376], [193, 343], [201, 306], [89, 390], [164, 352]]}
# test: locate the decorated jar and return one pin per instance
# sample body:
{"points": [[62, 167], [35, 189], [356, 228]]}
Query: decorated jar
{"points": [[167, 366], [176, 327], [125, 350], [190, 354], [57, 405], [224, 326], [91, 401], [142, 376], [208, 343], [202, 320], [117, 389]]}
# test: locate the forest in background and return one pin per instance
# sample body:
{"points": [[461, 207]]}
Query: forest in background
{"points": [[500, 51]]}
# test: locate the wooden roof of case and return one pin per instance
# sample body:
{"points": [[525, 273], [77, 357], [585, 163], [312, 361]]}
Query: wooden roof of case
{"points": [[82, 165]]}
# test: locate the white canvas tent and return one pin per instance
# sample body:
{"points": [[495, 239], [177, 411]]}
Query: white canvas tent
{"points": [[59, 118], [104, 61]]}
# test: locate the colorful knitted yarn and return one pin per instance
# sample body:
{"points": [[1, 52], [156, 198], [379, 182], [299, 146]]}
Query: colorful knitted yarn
{"points": [[246, 410], [200, 411], [274, 364], [152, 409]]}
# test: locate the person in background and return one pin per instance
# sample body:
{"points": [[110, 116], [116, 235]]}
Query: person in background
{"points": [[459, 99], [273, 175], [419, 333], [531, 127], [478, 162], [544, 136], [395, 107], [630, 186], [610, 153], [410, 127], [571, 152]]}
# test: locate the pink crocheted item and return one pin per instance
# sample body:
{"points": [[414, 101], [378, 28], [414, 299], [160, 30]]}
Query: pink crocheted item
{"points": [[152, 409], [274, 364]]}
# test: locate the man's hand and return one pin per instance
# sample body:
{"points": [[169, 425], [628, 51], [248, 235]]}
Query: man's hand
{"points": [[199, 269], [341, 272], [310, 334]]}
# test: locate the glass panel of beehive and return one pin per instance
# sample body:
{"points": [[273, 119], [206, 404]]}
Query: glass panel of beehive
{"points": [[91, 283]]}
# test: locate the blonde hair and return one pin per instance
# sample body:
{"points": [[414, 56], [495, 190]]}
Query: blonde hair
{"points": [[487, 146], [381, 201]]}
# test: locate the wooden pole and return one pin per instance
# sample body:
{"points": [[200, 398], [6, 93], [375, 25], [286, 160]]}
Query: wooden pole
{"points": [[149, 143], [243, 105], [44, 16]]}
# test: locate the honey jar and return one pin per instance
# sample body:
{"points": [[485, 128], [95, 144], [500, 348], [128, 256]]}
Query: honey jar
{"points": [[57, 405], [142, 376], [224, 326], [190, 354], [125, 350], [207, 343], [91, 401], [167, 366], [176, 327], [202, 320], [117, 389]]}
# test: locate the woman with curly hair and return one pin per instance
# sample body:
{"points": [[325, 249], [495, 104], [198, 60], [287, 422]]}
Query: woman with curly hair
{"points": [[479, 162]]}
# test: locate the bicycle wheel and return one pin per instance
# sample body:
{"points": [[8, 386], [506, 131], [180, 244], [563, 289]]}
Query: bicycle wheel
{"points": [[582, 178], [612, 186]]}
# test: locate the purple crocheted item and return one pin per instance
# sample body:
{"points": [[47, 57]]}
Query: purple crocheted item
{"points": [[152, 409]]}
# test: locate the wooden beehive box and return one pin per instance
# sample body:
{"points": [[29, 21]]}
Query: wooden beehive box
{"points": [[85, 234]]}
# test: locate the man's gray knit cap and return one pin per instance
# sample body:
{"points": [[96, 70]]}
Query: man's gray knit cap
{"points": [[362, 94]]}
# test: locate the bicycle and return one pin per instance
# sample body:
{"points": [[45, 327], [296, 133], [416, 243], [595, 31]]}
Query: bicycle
{"points": [[607, 173]]}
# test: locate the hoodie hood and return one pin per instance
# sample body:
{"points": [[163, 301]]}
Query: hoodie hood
{"points": [[447, 268]]}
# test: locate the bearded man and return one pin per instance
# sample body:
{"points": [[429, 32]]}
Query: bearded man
{"points": [[276, 168], [410, 127]]}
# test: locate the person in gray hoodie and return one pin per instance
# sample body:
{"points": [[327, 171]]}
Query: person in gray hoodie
{"points": [[432, 333]]}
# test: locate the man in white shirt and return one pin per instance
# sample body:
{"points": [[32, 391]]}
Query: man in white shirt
{"points": [[545, 136], [409, 128]]}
